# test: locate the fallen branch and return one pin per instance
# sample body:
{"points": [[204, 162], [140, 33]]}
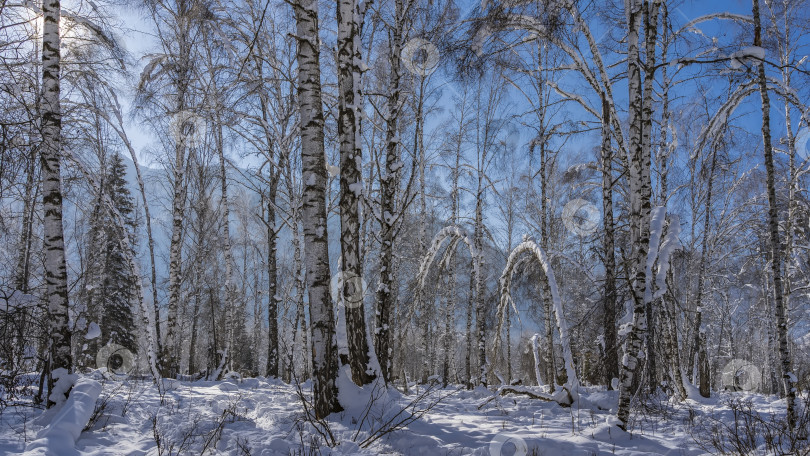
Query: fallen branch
{"points": [[542, 397], [562, 397]]}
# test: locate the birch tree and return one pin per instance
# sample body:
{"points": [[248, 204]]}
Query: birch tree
{"points": [[166, 86], [316, 241], [350, 101], [639, 161], [611, 352], [788, 377], [390, 211], [61, 360]]}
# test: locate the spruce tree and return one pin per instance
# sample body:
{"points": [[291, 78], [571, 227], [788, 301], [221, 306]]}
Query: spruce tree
{"points": [[119, 279], [111, 282]]}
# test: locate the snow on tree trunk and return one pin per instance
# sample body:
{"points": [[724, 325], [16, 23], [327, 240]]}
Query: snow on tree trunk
{"points": [[668, 322], [316, 242], [640, 193], [388, 213], [650, 36], [152, 314], [181, 75], [529, 247], [788, 377], [350, 101], [149, 315], [53, 232], [671, 342], [450, 234]]}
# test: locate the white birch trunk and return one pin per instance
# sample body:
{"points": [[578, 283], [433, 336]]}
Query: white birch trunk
{"points": [[640, 199], [611, 368], [230, 286], [350, 102], [788, 377], [389, 215], [61, 360], [316, 242]]}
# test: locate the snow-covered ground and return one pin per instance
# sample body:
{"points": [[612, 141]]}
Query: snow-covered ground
{"points": [[264, 417]]}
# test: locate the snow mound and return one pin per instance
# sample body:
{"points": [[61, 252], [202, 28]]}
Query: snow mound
{"points": [[59, 437]]}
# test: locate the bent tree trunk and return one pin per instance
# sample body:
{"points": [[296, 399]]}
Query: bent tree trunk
{"points": [[316, 242], [570, 390], [61, 362], [453, 235]]}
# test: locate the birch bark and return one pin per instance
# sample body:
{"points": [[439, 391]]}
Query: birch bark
{"points": [[350, 100], [316, 241], [788, 377], [609, 299], [640, 192], [61, 359]]}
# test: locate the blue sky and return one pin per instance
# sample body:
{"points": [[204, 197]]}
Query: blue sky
{"points": [[139, 41]]}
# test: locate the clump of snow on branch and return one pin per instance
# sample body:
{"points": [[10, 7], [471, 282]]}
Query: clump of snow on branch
{"points": [[93, 331]]}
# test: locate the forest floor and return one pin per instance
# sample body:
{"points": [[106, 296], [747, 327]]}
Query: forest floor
{"points": [[264, 417]]}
